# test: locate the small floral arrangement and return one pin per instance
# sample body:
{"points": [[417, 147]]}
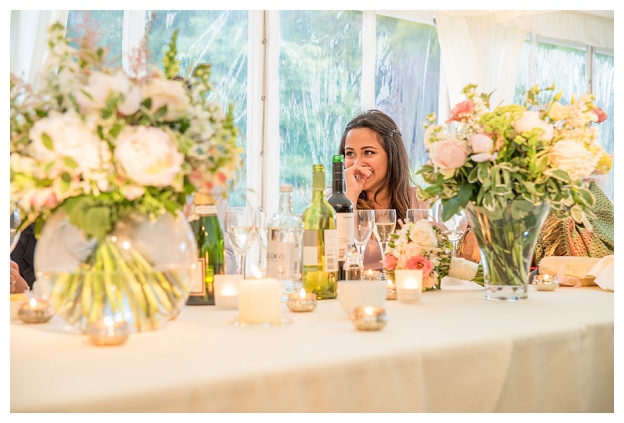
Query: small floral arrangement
{"points": [[102, 144], [422, 245], [534, 152]]}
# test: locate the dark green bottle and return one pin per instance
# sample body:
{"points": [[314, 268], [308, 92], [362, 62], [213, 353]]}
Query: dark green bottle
{"points": [[211, 247], [344, 212]]}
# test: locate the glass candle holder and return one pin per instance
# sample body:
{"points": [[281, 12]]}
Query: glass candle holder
{"points": [[369, 318], [108, 332], [301, 301], [408, 285], [545, 282], [35, 311], [226, 288], [391, 293]]}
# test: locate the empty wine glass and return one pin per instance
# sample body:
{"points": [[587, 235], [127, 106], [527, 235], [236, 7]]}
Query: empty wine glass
{"points": [[16, 220], [364, 222], [385, 223], [454, 227], [241, 227], [414, 215]]}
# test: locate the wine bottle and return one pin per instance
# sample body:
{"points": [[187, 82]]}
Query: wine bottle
{"points": [[211, 247], [320, 241], [284, 235], [344, 212]]}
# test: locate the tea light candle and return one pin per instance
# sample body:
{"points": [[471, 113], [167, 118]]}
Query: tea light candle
{"points": [[369, 318], [226, 289], [260, 300], [408, 285], [35, 311], [391, 293], [545, 282], [301, 301], [371, 275], [108, 332]]}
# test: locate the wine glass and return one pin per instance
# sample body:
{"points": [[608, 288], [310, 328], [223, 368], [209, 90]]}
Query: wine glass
{"points": [[364, 222], [241, 227], [414, 215], [454, 227], [385, 223], [16, 220]]}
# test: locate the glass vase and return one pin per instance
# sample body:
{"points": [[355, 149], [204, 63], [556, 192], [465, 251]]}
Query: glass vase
{"points": [[506, 238], [140, 273]]}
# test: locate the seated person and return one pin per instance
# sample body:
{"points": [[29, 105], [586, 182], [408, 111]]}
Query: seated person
{"points": [[24, 254]]}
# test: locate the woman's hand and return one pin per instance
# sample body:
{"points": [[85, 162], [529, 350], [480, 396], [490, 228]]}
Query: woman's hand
{"points": [[355, 180], [18, 284]]}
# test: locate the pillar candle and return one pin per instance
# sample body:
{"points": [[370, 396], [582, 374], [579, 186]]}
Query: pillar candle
{"points": [[260, 301]]}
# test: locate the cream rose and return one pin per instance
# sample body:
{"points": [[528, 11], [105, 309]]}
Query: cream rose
{"points": [[531, 120], [448, 154], [572, 157], [102, 86], [422, 233], [148, 156], [71, 137], [170, 93]]}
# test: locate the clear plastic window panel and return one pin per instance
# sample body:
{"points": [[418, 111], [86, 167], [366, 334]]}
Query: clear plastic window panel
{"points": [[319, 86], [603, 89], [217, 37], [562, 66], [407, 79], [106, 26]]}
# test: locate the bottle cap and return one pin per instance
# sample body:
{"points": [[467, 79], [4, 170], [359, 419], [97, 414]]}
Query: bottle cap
{"points": [[338, 158]]}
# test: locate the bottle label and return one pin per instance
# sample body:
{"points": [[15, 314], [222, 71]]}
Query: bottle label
{"points": [[198, 287], [206, 209], [310, 248], [331, 250], [282, 260], [344, 225]]}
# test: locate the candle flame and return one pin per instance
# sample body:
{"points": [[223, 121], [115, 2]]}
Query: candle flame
{"points": [[303, 293], [256, 272], [108, 321], [33, 302], [546, 277], [368, 310]]}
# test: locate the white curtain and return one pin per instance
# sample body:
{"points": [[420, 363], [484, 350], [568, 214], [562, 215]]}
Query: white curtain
{"points": [[478, 48], [29, 30]]}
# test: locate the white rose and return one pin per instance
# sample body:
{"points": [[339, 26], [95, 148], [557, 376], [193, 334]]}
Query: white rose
{"points": [[572, 157], [531, 120], [71, 137], [148, 156], [422, 233], [170, 93], [102, 86], [413, 250], [463, 269]]}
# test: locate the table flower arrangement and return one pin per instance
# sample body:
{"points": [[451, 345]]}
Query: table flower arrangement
{"points": [[102, 146], [509, 166], [422, 245]]}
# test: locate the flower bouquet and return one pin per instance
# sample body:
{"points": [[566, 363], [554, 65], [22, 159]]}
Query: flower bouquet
{"points": [[422, 245], [101, 147], [508, 167]]}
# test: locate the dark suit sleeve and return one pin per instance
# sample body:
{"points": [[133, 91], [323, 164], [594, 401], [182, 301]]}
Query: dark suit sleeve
{"points": [[24, 254]]}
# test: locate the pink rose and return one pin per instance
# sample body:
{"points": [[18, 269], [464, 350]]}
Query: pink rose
{"points": [[420, 263], [389, 262], [482, 147], [601, 114], [429, 281], [448, 154], [461, 111]]}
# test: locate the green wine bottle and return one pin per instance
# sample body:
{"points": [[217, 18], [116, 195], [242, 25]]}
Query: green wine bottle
{"points": [[211, 260], [344, 212], [320, 241]]}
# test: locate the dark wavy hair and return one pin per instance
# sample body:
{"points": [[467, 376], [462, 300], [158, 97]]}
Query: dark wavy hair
{"points": [[399, 178]]}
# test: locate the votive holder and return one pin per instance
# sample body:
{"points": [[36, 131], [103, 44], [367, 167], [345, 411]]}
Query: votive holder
{"points": [[108, 332], [545, 282], [369, 318], [35, 311], [391, 293], [301, 301]]}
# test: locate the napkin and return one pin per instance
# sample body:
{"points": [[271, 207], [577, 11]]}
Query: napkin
{"points": [[580, 271], [603, 272]]}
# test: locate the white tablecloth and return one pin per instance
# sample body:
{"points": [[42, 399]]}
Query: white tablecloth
{"points": [[453, 352]]}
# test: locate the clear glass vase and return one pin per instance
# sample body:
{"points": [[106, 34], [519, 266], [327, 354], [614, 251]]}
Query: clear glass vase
{"points": [[141, 273], [506, 240]]}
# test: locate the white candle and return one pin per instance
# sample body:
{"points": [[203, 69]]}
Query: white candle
{"points": [[226, 289], [260, 301], [408, 285]]}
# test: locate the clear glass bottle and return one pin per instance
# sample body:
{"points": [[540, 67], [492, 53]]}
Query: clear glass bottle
{"points": [[320, 241], [211, 247], [344, 212], [353, 265], [284, 232]]}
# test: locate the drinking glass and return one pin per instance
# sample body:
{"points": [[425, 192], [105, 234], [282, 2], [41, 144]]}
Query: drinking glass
{"points": [[16, 220], [385, 223], [364, 222], [452, 228], [414, 215], [241, 227]]}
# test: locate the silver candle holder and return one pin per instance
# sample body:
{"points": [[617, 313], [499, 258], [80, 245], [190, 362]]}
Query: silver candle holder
{"points": [[369, 318]]}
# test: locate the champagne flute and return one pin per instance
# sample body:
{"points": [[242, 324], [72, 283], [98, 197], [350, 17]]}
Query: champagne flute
{"points": [[16, 220], [385, 223], [241, 227], [364, 222], [414, 215]]}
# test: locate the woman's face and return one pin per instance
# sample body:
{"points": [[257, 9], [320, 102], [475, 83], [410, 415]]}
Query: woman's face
{"points": [[363, 149]]}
